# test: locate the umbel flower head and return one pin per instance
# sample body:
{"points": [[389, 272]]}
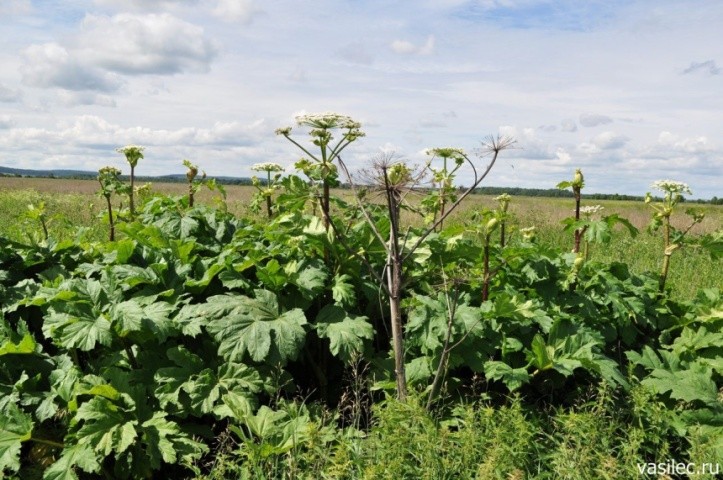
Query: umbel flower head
{"points": [[671, 186], [327, 120], [267, 167], [109, 171], [321, 123], [504, 201], [591, 209], [133, 153]]}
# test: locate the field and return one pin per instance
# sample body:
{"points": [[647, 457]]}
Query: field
{"points": [[214, 342], [74, 203]]}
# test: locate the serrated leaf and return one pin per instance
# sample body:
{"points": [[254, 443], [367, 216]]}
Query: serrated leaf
{"points": [[542, 355], [513, 378], [311, 281], [255, 326], [105, 427], [85, 333], [74, 455], [346, 333], [15, 428], [342, 291], [25, 346], [695, 384]]}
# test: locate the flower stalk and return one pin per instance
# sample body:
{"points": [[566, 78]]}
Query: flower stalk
{"points": [[133, 153]]}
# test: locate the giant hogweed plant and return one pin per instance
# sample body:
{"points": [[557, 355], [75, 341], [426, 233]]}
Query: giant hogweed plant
{"points": [[586, 227], [673, 239], [393, 181], [132, 154], [319, 165], [444, 193], [266, 190], [110, 184]]}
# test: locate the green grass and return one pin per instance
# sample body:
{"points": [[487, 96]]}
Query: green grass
{"points": [[604, 438]]}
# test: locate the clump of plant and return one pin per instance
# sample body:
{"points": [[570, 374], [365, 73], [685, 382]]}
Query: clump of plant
{"points": [[133, 153], [488, 222], [193, 184], [673, 238], [443, 179], [266, 189], [584, 224], [577, 184], [503, 204], [393, 180], [38, 213], [320, 167], [110, 184]]}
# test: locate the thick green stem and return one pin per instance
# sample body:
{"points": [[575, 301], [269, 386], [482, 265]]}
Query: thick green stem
{"points": [[45, 227], [486, 271], [667, 253], [132, 192], [110, 218], [578, 232], [131, 356], [47, 442]]}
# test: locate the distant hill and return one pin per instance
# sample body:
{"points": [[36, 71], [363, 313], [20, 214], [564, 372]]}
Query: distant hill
{"points": [[22, 172], [86, 174]]}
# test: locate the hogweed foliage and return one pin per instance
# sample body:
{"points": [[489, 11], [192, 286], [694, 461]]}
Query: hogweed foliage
{"points": [[673, 239], [266, 190]]}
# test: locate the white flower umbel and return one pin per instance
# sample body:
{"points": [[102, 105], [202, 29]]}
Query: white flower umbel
{"points": [[327, 120], [591, 209], [671, 186], [130, 148], [267, 167]]}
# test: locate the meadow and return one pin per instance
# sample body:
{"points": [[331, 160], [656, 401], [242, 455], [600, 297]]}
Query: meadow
{"points": [[209, 341], [75, 203]]}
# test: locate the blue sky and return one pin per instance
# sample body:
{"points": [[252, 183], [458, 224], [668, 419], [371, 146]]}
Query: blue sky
{"points": [[629, 91]]}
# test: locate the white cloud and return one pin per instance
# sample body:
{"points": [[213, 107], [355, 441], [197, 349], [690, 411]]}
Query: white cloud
{"points": [[568, 125], [15, 7], [609, 140], [708, 67], [677, 143], [9, 95], [144, 44], [404, 47], [593, 119], [51, 65], [74, 99], [6, 122], [355, 53], [242, 11]]}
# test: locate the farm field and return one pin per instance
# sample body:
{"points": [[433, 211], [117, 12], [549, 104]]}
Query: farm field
{"points": [[213, 342], [75, 203]]}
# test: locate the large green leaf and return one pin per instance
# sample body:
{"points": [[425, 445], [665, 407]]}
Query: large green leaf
{"points": [[78, 455], [83, 333], [342, 290], [255, 326], [15, 428], [690, 385], [346, 333], [192, 388], [514, 378], [106, 427]]}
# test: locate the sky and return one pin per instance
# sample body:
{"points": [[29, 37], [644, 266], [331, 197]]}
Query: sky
{"points": [[628, 91]]}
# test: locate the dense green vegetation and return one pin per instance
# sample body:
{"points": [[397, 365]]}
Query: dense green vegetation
{"points": [[204, 344]]}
